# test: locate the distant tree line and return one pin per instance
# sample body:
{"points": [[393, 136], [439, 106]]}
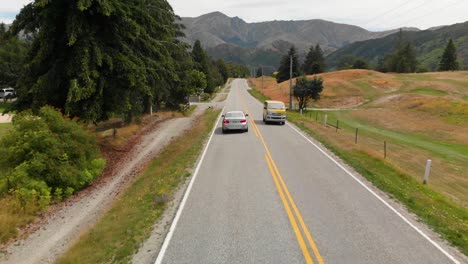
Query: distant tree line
{"points": [[402, 60]]}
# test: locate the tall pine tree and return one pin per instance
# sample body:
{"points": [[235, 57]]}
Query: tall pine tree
{"points": [[203, 64], [283, 71], [449, 62], [92, 58], [314, 62], [403, 59]]}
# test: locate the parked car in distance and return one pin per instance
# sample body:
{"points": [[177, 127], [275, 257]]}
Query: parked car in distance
{"points": [[7, 93], [235, 120], [274, 111]]}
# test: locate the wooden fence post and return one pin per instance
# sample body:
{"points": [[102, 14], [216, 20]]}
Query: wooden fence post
{"points": [[355, 138]]}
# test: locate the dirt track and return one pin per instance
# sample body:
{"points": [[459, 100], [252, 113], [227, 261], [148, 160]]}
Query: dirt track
{"points": [[55, 232], [6, 118]]}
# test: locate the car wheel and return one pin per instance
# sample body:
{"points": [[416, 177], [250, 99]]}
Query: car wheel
{"points": [[224, 131], [282, 123], [246, 130]]}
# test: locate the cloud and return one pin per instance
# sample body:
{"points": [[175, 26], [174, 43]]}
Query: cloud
{"points": [[13, 5]]}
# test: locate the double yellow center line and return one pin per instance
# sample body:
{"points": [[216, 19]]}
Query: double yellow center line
{"points": [[292, 211]]}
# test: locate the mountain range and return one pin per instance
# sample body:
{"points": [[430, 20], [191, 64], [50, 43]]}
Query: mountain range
{"points": [[264, 43], [429, 46]]}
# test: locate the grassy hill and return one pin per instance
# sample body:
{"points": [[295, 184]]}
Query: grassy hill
{"points": [[420, 116], [429, 45]]}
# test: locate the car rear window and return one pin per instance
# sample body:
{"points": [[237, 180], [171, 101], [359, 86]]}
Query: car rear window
{"points": [[238, 114]]}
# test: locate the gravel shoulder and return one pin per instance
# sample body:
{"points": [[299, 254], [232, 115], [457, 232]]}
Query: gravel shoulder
{"points": [[61, 225]]}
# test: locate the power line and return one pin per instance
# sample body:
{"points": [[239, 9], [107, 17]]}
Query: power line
{"points": [[428, 13], [408, 11], [387, 12]]}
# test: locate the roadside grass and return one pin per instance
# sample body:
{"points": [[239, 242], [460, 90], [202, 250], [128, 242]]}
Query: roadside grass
{"points": [[3, 105], [261, 97], [465, 98], [12, 217], [443, 215], [120, 232], [209, 97], [190, 111]]}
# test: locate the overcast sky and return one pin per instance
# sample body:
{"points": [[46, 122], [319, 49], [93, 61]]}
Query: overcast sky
{"points": [[373, 15]]}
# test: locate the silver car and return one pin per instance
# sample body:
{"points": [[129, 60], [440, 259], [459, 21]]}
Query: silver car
{"points": [[235, 120]]}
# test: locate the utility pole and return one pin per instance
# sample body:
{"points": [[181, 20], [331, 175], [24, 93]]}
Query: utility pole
{"points": [[290, 84], [262, 77]]}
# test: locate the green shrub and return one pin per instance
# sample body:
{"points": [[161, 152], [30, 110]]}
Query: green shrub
{"points": [[47, 156]]}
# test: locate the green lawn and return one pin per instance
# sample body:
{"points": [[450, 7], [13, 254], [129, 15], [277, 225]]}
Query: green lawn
{"points": [[3, 106], [428, 91], [436, 147], [4, 128]]}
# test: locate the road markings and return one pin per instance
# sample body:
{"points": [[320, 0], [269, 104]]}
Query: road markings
{"points": [[301, 220], [300, 238], [283, 189]]}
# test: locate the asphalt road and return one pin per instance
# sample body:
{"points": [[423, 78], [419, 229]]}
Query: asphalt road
{"points": [[271, 196]]}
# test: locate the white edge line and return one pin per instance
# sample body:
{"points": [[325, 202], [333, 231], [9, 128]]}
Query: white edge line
{"points": [[169, 235], [379, 198]]}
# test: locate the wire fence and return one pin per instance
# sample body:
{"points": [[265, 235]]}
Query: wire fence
{"points": [[448, 173]]}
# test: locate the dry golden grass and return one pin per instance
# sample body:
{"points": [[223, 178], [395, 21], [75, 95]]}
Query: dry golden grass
{"points": [[366, 86]]}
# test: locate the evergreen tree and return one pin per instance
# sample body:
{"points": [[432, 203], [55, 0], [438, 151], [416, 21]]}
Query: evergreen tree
{"points": [[259, 72], [217, 77], [360, 64], [314, 62], [93, 58], [13, 52], [2, 30], [283, 71], [346, 62], [403, 59], [449, 62], [238, 71], [203, 64], [223, 69]]}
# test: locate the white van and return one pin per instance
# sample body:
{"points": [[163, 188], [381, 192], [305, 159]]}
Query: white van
{"points": [[274, 111], [7, 93]]}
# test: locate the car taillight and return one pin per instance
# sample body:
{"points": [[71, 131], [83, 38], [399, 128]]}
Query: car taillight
{"points": [[244, 121], [226, 121]]}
